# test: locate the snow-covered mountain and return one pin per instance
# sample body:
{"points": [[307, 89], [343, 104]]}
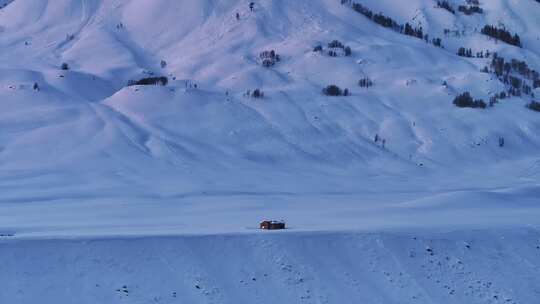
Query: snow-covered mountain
{"points": [[84, 154]]}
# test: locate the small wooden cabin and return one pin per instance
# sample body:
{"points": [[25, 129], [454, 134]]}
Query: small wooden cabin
{"points": [[272, 225]]}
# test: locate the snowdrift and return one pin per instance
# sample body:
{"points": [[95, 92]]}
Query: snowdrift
{"points": [[177, 176], [493, 266]]}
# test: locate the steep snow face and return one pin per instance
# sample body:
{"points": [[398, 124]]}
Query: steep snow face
{"points": [[390, 195], [84, 138], [478, 267]]}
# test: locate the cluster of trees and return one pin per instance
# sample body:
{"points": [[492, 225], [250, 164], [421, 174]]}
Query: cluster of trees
{"points": [[257, 93], [501, 66], [388, 22], [455, 33], [385, 21], [365, 82], [445, 5], [463, 52], [517, 85], [64, 66], [377, 18], [502, 34], [150, 81], [378, 139], [333, 45], [269, 58], [470, 9], [413, 31], [334, 90], [534, 105], [465, 100], [336, 44]]}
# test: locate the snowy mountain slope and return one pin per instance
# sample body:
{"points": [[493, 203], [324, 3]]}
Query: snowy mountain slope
{"points": [[87, 156], [106, 44], [85, 135]]}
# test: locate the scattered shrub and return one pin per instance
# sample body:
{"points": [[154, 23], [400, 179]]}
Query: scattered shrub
{"points": [[495, 98], [336, 44], [163, 64], [463, 52], [257, 93], [365, 82], [150, 81], [470, 9], [269, 58], [348, 51], [534, 105], [64, 66], [334, 90]]}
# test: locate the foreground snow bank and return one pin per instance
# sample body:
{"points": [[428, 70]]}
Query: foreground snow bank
{"points": [[486, 266]]}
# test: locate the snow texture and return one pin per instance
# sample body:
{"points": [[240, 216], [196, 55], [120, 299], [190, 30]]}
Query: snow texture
{"points": [[109, 190]]}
